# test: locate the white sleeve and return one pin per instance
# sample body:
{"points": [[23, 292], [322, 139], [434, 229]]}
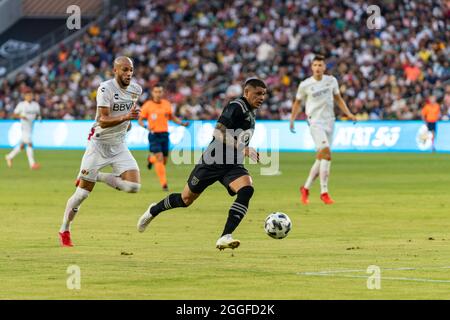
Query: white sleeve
{"points": [[19, 108], [335, 86], [301, 94], [103, 96]]}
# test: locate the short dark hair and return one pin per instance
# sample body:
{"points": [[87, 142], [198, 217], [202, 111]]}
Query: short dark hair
{"points": [[318, 57], [157, 85], [255, 83]]}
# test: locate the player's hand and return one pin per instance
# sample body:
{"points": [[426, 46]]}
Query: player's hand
{"points": [[134, 113], [251, 153], [352, 117], [291, 127]]}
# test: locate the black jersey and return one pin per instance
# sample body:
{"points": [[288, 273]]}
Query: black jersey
{"points": [[239, 119]]}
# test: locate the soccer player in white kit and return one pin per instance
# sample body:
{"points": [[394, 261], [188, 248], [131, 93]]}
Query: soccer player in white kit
{"points": [[116, 106], [27, 110], [319, 93]]}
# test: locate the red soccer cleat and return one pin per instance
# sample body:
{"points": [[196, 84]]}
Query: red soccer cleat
{"points": [[65, 239], [35, 166], [305, 194], [325, 197]]}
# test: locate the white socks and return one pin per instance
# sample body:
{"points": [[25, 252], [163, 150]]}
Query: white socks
{"points": [[30, 156], [14, 152], [324, 173], [73, 204], [118, 183], [313, 174]]}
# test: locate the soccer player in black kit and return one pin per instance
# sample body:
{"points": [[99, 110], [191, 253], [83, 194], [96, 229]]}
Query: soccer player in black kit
{"points": [[222, 161]]}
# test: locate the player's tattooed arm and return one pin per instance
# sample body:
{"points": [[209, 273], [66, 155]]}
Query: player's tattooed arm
{"points": [[105, 119], [222, 134]]}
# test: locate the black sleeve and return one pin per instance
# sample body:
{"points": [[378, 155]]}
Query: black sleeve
{"points": [[231, 116]]}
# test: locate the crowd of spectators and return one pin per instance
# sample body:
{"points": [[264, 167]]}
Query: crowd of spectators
{"points": [[203, 50]]}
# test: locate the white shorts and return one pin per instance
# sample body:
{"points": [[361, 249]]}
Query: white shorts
{"points": [[322, 133], [26, 136], [99, 155]]}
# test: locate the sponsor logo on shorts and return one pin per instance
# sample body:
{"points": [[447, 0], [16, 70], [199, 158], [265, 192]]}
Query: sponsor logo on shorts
{"points": [[194, 181]]}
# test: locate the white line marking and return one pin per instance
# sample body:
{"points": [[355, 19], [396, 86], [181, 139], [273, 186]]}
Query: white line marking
{"points": [[338, 273]]}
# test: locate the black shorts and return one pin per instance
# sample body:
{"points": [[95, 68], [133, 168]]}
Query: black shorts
{"points": [[431, 126], [205, 175], [159, 142]]}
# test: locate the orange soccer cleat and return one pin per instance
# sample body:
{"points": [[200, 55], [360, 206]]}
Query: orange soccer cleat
{"points": [[305, 194], [35, 166], [325, 197], [65, 239]]}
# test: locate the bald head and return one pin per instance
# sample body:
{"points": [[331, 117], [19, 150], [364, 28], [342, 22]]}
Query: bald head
{"points": [[122, 61], [123, 70]]}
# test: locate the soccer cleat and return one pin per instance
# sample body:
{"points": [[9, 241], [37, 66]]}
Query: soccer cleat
{"points": [[65, 239], [8, 162], [35, 166], [165, 188], [305, 194], [227, 241], [325, 197], [145, 219]]}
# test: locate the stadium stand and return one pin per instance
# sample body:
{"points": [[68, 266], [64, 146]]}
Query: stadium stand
{"points": [[203, 50]]}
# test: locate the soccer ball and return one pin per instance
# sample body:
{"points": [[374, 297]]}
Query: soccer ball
{"points": [[277, 225]]}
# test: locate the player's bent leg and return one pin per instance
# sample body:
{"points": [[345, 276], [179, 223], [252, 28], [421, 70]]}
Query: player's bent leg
{"points": [[128, 181], [313, 174], [243, 187], [72, 207], [172, 201], [14, 152]]}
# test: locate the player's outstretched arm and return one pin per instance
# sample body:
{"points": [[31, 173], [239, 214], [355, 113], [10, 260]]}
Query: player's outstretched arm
{"points": [[343, 106], [295, 110], [106, 120]]}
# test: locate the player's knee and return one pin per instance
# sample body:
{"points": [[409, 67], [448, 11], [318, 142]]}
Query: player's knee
{"points": [[131, 187], [188, 198], [245, 193], [324, 154], [81, 194]]}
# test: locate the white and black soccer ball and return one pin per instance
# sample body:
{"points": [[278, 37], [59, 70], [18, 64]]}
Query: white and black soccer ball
{"points": [[277, 225]]}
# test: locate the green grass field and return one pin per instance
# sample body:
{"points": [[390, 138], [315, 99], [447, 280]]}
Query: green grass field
{"points": [[392, 210]]}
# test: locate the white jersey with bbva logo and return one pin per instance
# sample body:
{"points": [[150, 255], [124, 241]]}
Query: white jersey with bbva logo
{"points": [[319, 97], [120, 101]]}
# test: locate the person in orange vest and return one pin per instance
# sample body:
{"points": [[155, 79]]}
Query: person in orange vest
{"points": [[158, 112], [431, 113]]}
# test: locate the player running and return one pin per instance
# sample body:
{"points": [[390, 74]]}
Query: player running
{"points": [[27, 111], [319, 93], [116, 106], [222, 161], [158, 112]]}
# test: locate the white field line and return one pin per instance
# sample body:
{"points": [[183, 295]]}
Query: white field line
{"points": [[338, 273]]}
